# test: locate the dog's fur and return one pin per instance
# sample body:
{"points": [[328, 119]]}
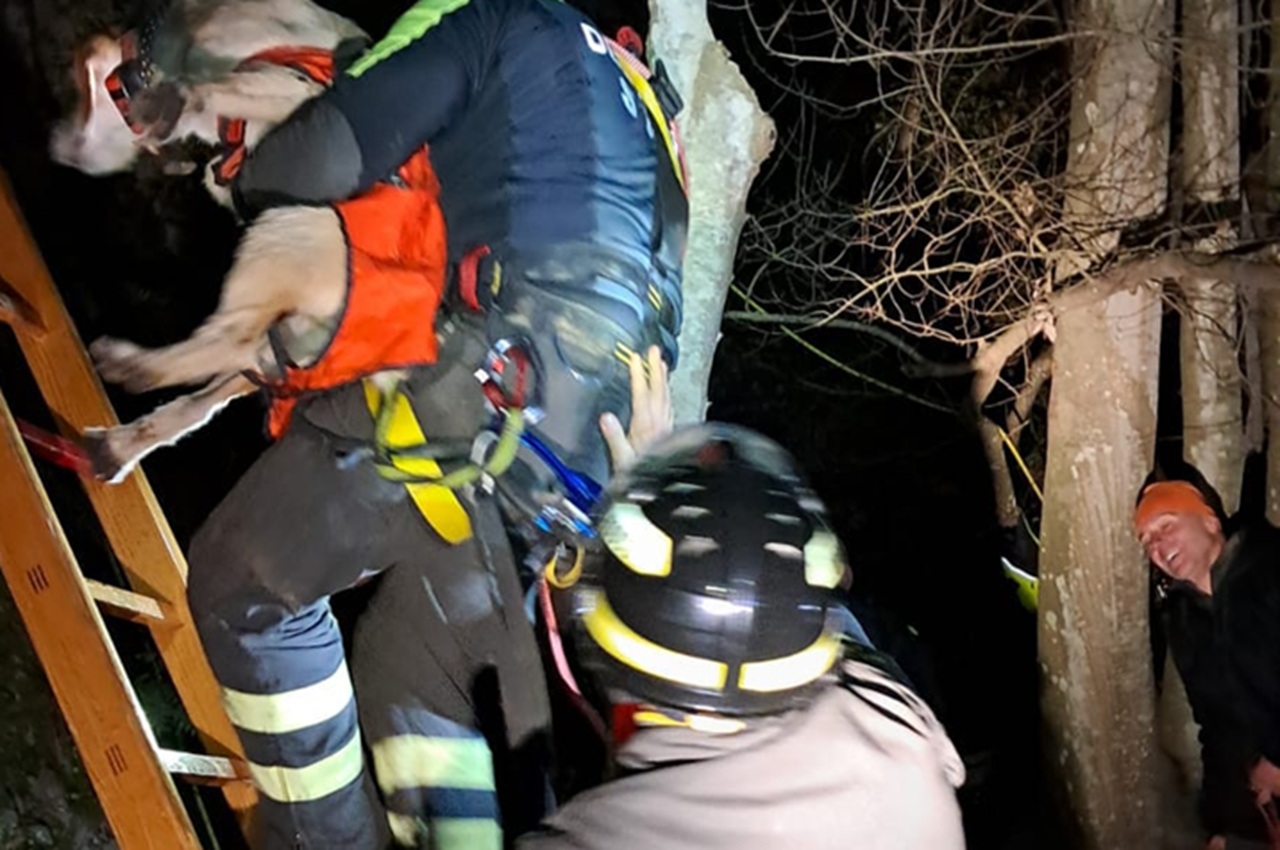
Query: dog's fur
{"points": [[221, 35], [290, 266]]}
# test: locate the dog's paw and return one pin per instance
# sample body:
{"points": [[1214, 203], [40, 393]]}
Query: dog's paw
{"points": [[119, 361], [106, 461]]}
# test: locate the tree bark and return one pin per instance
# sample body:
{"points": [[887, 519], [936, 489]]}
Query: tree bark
{"points": [[1268, 302], [1094, 650], [1212, 403], [1212, 412], [1098, 693], [726, 137], [1269, 344]]}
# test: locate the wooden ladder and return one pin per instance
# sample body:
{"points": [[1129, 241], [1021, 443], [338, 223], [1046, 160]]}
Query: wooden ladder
{"points": [[130, 773]]}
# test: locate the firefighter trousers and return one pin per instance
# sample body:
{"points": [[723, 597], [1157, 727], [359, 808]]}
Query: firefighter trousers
{"points": [[452, 707]]}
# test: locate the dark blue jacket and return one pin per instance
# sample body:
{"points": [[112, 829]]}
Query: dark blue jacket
{"points": [[536, 136]]}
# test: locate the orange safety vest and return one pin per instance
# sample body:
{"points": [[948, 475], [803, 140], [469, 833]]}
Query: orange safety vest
{"points": [[396, 272]]}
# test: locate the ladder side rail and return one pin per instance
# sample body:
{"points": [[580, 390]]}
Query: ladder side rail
{"points": [[101, 709], [129, 513]]}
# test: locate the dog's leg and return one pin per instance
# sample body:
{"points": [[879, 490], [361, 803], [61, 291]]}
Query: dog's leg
{"points": [[114, 452], [227, 342], [291, 262]]}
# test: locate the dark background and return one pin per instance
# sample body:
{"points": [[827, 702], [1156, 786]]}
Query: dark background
{"points": [[142, 256]]}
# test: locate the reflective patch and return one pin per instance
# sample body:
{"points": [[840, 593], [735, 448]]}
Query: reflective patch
{"points": [[1028, 584], [445, 833], [417, 761], [465, 834], [638, 652], [408, 28], [783, 674], [289, 711], [320, 779], [823, 563], [635, 540]]}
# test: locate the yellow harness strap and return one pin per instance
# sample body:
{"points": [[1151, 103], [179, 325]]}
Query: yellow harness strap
{"points": [[650, 101], [438, 505]]}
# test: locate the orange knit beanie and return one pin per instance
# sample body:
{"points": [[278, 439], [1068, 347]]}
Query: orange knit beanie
{"points": [[1170, 497]]}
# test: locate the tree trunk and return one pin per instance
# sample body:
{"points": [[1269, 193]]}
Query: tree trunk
{"points": [[1093, 628], [1094, 650], [1212, 409], [1212, 412], [1269, 339], [726, 138], [1268, 301], [1213, 434]]}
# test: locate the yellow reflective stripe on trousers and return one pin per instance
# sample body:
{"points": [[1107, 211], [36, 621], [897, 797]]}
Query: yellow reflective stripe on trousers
{"points": [[446, 833], [438, 505], [289, 711], [419, 761], [319, 779]]}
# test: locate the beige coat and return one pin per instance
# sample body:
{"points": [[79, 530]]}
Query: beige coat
{"points": [[865, 766]]}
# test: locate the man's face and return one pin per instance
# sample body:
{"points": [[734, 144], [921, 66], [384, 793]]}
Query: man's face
{"points": [[1183, 545]]}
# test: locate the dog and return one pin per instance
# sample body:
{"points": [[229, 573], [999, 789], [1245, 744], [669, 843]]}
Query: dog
{"points": [[202, 45], [290, 270]]}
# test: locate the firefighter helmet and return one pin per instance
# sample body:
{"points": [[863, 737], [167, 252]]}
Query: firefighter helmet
{"points": [[712, 589]]}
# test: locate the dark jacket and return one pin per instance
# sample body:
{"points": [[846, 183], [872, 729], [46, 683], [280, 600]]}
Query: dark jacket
{"points": [[548, 159], [534, 132], [1227, 650]]}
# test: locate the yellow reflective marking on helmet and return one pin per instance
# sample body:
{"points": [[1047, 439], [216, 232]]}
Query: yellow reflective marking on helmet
{"points": [[792, 671], [639, 653], [289, 711], [403, 762], [438, 505], [320, 779], [635, 540], [823, 565]]}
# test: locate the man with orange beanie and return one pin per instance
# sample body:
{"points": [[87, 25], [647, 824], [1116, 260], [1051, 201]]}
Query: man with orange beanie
{"points": [[1220, 607]]}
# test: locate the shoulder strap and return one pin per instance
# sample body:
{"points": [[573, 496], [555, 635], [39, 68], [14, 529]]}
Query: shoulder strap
{"points": [[656, 92]]}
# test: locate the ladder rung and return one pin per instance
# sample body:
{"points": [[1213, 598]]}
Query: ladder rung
{"points": [[202, 769], [15, 311], [125, 603]]}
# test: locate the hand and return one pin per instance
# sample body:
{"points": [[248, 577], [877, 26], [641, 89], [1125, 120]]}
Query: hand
{"points": [[651, 414], [1264, 780], [1217, 842]]}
